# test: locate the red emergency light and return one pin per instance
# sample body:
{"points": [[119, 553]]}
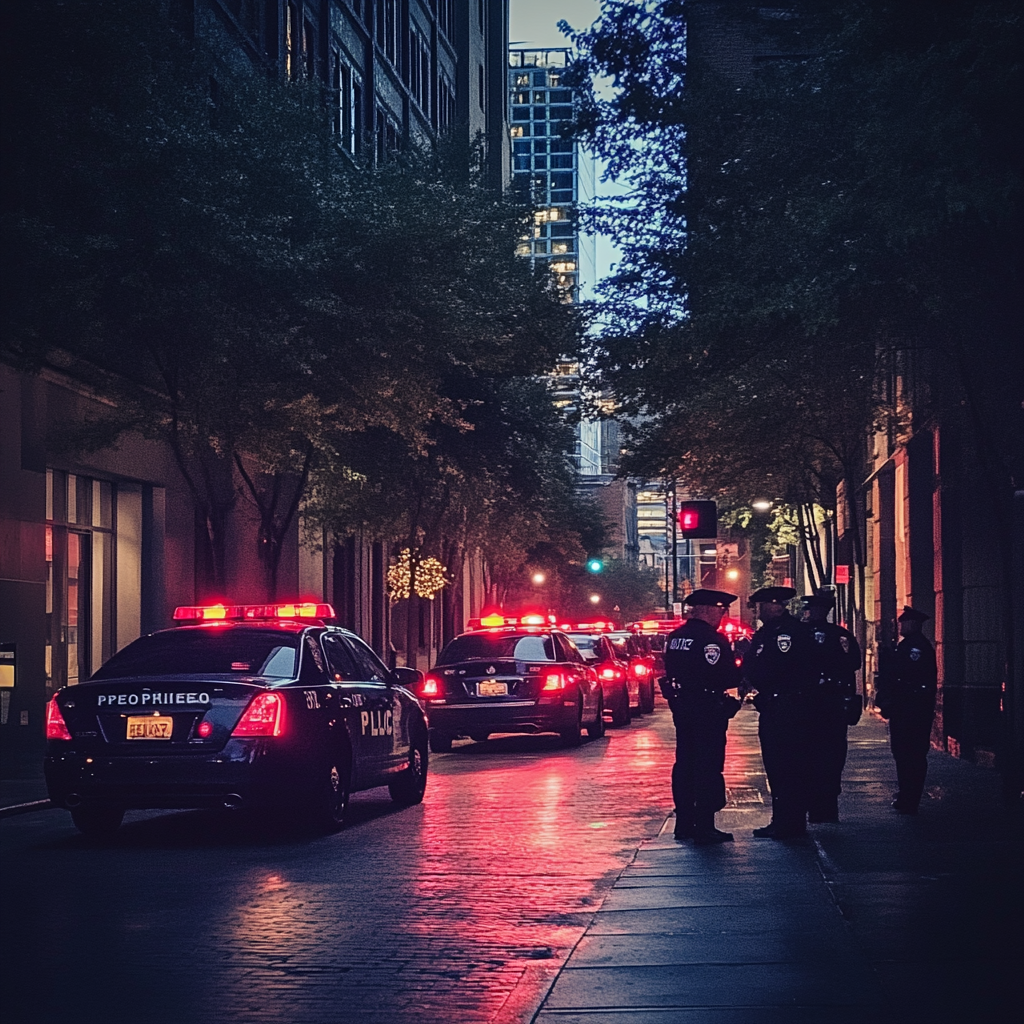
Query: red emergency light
{"points": [[242, 612]]}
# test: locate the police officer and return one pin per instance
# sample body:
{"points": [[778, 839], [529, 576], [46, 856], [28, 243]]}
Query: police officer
{"points": [[781, 666], [839, 660], [699, 668], [907, 683]]}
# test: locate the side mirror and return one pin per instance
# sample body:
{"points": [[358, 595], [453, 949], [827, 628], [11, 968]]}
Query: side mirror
{"points": [[409, 677]]}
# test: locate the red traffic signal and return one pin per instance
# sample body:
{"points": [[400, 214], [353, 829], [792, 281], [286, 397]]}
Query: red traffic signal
{"points": [[698, 519]]}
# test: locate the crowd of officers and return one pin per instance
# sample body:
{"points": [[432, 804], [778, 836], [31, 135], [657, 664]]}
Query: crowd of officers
{"points": [[803, 677]]}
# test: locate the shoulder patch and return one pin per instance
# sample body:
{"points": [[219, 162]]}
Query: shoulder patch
{"points": [[785, 641], [712, 652], [819, 637], [915, 653]]}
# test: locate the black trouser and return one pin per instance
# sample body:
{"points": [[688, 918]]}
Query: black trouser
{"points": [[910, 731], [828, 756], [698, 786], [785, 728]]}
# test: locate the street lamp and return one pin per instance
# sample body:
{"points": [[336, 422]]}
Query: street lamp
{"points": [[761, 505], [538, 578], [595, 598]]}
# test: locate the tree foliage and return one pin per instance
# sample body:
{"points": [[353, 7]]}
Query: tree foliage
{"points": [[358, 342], [796, 237]]}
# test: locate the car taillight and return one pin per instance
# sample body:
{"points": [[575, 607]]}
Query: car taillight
{"points": [[640, 669], [554, 681], [610, 673], [431, 687], [56, 727], [263, 717]]}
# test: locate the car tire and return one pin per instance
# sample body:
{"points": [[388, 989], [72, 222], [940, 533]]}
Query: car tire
{"points": [[332, 792], [647, 697], [573, 736], [596, 731], [97, 821], [408, 787], [621, 715], [440, 742]]}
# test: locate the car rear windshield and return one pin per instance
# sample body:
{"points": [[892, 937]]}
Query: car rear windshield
{"points": [[585, 645], [485, 646], [206, 651]]}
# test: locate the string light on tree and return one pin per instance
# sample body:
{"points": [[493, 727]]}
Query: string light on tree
{"points": [[431, 577]]}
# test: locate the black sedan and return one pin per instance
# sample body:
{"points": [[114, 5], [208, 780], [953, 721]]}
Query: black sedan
{"points": [[511, 679], [246, 708]]}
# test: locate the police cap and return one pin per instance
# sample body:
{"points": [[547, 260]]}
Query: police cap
{"points": [[771, 595], [714, 598], [911, 615], [822, 599]]}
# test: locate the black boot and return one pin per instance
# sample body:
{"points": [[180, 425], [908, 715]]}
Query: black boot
{"points": [[684, 825], [705, 833]]}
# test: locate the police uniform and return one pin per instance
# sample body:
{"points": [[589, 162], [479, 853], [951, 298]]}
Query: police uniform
{"points": [[907, 684], [838, 661], [781, 666], [699, 668]]}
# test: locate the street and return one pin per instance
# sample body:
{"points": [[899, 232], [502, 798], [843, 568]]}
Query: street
{"points": [[461, 909], [533, 884]]}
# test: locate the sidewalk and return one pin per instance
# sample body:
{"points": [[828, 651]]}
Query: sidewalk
{"points": [[882, 918]]}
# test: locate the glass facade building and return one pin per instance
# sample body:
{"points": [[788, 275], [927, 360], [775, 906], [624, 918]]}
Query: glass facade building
{"points": [[550, 167]]}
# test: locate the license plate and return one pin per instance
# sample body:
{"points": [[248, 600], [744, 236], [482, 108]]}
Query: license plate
{"points": [[150, 727], [491, 688]]}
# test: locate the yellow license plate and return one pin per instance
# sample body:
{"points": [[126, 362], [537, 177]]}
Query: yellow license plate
{"points": [[150, 727], [491, 688]]}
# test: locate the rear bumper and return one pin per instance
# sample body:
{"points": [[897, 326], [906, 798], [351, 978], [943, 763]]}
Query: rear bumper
{"points": [[245, 773], [513, 716]]}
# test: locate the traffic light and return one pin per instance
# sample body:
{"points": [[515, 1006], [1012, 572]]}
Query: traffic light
{"points": [[595, 565], [698, 519]]}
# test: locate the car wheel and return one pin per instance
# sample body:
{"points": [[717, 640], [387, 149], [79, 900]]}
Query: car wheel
{"points": [[573, 736], [97, 821], [330, 804], [408, 788], [440, 742], [596, 731], [647, 697], [621, 714]]}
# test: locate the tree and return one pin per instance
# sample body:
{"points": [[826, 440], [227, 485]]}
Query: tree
{"points": [[796, 237]]}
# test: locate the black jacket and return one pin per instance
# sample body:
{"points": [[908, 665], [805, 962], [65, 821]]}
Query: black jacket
{"points": [[783, 658], [698, 657]]}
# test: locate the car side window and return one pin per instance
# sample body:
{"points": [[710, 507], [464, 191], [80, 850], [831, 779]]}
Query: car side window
{"points": [[312, 668], [572, 651], [371, 669], [342, 663]]}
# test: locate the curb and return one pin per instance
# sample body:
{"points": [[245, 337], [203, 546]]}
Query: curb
{"points": [[33, 805]]}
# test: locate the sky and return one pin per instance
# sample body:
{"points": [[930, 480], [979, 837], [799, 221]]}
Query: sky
{"points": [[534, 23]]}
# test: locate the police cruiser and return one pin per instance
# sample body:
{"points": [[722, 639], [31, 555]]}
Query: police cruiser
{"points": [[244, 706]]}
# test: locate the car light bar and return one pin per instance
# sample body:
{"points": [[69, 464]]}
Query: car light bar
{"points": [[241, 612]]}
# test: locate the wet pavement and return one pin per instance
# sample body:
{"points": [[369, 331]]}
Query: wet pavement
{"points": [[460, 909], [533, 884]]}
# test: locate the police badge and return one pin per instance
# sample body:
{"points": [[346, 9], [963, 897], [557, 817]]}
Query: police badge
{"points": [[712, 653], [785, 641], [819, 637], [915, 654]]}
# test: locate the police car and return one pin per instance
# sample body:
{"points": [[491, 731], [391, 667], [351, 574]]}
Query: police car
{"points": [[246, 706], [512, 676]]}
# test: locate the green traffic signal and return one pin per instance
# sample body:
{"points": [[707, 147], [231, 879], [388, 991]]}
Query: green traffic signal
{"points": [[594, 565]]}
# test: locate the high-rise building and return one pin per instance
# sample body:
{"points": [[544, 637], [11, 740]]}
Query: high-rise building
{"points": [[549, 166], [395, 72]]}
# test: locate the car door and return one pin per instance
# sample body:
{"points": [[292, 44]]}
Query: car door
{"points": [[384, 721], [585, 677], [357, 699]]}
